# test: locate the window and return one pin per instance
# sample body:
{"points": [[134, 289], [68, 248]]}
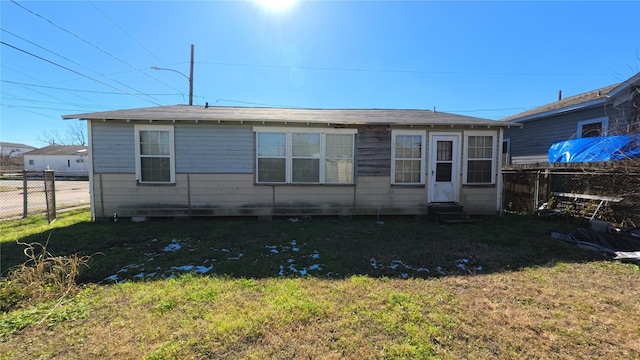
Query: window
{"points": [[593, 128], [479, 155], [30, 162], [303, 156], [407, 154], [155, 161], [338, 158]]}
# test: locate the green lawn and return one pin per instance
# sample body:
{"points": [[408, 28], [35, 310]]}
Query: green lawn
{"points": [[322, 288]]}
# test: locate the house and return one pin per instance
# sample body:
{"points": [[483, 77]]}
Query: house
{"points": [[11, 155], [8, 150], [216, 161], [63, 159], [611, 110]]}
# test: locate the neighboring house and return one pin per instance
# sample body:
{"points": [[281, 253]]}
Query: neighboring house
{"points": [[8, 150], [190, 160], [611, 110], [11, 156], [64, 160]]}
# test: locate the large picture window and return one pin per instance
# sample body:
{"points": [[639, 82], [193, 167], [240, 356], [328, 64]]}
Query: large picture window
{"points": [[479, 162], [154, 154], [407, 153], [303, 156]]}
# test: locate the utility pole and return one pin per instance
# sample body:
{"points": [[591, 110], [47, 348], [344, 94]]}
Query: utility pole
{"points": [[191, 79]]}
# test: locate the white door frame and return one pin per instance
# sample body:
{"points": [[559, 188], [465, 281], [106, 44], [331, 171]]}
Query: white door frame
{"points": [[452, 188]]}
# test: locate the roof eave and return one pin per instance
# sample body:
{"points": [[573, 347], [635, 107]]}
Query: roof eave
{"points": [[306, 122], [565, 109], [624, 85]]}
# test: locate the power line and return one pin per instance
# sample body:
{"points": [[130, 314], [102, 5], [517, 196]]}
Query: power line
{"points": [[425, 72], [78, 73], [71, 61], [125, 32], [80, 90], [36, 107], [93, 45]]}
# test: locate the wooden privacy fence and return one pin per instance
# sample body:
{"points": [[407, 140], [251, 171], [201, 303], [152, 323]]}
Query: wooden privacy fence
{"points": [[605, 191]]}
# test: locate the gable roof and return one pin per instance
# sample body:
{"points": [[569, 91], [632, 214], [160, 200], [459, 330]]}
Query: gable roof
{"points": [[580, 101], [59, 150], [15, 145], [289, 115]]}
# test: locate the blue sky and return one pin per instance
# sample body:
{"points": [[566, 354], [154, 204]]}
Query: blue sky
{"points": [[483, 59]]}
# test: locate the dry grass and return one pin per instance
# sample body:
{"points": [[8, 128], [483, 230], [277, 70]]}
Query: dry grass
{"points": [[562, 305], [564, 312]]}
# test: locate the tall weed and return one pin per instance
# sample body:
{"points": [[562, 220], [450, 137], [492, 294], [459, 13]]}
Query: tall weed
{"points": [[41, 277]]}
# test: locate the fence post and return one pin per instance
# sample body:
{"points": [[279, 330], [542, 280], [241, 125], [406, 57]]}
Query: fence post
{"points": [[50, 194], [536, 194], [25, 189]]}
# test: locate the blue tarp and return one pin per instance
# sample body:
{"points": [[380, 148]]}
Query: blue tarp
{"points": [[595, 149]]}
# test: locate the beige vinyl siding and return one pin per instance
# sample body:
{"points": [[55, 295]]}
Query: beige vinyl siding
{"points": [[236, 195], [374, 192], [479, 200]]}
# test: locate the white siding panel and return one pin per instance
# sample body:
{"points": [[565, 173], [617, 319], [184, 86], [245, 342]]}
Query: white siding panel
{"points": [[214, 149]]}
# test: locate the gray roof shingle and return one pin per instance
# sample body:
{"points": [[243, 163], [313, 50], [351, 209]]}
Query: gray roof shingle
{"points": [[290, 115], [567, 104], [59, 150]]}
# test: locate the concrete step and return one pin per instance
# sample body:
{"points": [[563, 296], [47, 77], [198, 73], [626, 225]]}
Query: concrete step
{"points": [[449, 213]]}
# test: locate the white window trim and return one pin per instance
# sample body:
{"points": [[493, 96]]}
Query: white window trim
{"points": [[172, 153], [603, 120], [507, 153], [465, 156], [289, 152], [395, 133]]}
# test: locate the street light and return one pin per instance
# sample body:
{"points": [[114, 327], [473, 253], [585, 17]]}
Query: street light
{"points": [[190, 77]]}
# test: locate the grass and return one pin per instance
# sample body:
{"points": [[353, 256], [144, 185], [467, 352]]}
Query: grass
{"points": [[10, 188], [406, 289]]}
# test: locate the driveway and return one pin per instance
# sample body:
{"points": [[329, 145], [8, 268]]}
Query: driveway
{"points": [[68, 194]]}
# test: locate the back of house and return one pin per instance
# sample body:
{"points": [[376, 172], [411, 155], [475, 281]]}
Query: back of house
{"points": [[233, 161]]}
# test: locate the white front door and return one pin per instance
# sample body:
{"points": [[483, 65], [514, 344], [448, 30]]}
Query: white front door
{"points": [[443, 168]]}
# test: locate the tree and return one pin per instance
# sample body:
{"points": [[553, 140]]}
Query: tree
{"points": [[75, 134]]}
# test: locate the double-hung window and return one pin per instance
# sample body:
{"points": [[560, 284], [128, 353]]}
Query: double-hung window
{"points": [[155, 158], [407, 154], [479, 158], [304, 156]]}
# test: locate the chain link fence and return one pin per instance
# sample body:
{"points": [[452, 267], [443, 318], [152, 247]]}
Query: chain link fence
{"points": [[28, 193], [607, 192]]}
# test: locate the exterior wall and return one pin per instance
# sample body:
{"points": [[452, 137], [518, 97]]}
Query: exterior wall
{"points": [[74, 164], [236, 195], [480, 199], [112, 147], [535, 137], [14, 151], [215, 177], [531, 143]]}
